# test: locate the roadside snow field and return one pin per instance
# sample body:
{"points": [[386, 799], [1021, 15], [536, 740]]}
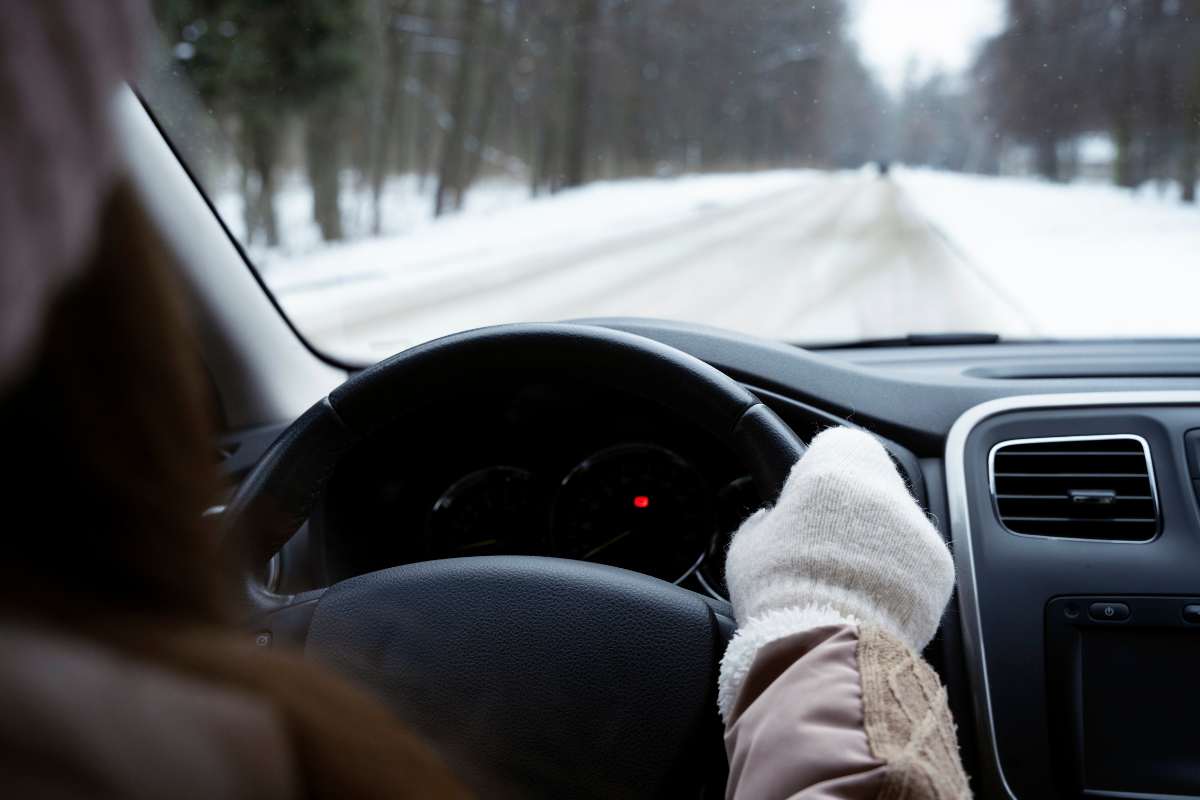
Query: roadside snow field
{"points": [[1081, 260]]}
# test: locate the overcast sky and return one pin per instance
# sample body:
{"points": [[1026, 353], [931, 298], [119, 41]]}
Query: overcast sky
{"points": [[936, 33]]}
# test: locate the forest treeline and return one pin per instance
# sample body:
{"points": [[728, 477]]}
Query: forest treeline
{"points": [[557, 93], [1062, 70]]}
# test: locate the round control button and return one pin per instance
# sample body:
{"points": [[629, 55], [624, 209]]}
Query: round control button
{"points": [[1109, 612]]}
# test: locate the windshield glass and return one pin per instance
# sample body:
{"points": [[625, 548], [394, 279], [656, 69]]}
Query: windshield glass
{"points": [[812, 172]]}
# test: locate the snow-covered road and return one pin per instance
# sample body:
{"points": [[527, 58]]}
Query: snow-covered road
{"points": [[800, 256]]}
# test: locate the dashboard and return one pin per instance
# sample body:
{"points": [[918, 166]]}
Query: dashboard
{"points": [[1064, 475]]}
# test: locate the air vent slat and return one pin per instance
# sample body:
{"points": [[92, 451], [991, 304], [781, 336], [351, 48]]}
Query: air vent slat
{"points": [[1096, 487], [1064, 496], [1056, 454], [1070, 474], [1078, 519]]}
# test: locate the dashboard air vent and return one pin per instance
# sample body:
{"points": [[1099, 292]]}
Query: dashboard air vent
{"points": [[1078, 487]]}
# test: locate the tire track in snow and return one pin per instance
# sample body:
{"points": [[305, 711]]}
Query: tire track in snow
{"points": [[735, 280], [898, 276]]}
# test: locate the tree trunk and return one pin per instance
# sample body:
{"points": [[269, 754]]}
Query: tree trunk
{"points": [[1189, 158], [576, 133], [427, 123], [450, 171], [474, 158], [384, 114], [249, 210], [262, 145], [322, 140], [1190, 145], [1047, 156], [546, 167], [1125, 169], [387, 125], [508, 45]]}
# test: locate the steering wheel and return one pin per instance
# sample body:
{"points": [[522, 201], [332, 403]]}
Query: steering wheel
{"points": [[531, 676]]}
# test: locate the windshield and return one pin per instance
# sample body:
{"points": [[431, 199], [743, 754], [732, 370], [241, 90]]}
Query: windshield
{"points": [[811, 172]]}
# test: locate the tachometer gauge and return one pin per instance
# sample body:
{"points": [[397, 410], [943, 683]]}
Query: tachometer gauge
{"points": [[635, 506], [495, 511]]}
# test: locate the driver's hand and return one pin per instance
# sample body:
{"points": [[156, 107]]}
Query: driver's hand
{"points": [[845, 544]]}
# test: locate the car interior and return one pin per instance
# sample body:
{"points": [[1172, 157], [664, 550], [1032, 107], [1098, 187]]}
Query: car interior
{"points": [[477, 480], [601, 398]]}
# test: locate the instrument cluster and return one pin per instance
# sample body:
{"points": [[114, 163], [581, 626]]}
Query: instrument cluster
{"points": [[636, 505]]}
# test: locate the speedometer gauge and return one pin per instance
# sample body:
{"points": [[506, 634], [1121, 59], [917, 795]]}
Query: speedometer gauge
{"points": [[636, 506], [495, 511]]}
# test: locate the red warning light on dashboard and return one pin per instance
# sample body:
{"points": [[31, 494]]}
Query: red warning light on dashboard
{"points": [[641, 501]]}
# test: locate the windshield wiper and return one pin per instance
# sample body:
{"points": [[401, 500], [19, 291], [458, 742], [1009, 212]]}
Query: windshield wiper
{"points": [[912, 340]]}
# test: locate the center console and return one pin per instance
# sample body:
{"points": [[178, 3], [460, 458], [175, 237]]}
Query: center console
{"points": [[1076, 531]]}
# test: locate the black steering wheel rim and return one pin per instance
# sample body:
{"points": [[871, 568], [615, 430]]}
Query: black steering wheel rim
{"points": [[623, 663], [280, 492]]}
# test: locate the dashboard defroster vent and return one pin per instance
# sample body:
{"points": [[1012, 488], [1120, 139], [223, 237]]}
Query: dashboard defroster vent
{"points": [[1076, 487]]}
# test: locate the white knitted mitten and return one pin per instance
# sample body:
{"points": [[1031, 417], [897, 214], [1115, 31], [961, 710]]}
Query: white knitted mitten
{"points": [[845, 543]]}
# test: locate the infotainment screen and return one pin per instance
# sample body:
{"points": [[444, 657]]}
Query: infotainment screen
{"points": [[1140, 710]]}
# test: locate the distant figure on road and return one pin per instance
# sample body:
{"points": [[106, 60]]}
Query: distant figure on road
{"points": [[884, 167]]}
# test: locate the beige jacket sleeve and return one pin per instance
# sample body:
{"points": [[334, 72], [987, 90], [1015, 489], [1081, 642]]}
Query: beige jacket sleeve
{"points": [[842, 711]]}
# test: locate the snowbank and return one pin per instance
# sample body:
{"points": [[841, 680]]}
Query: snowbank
{"points": [[1082, 260]]}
